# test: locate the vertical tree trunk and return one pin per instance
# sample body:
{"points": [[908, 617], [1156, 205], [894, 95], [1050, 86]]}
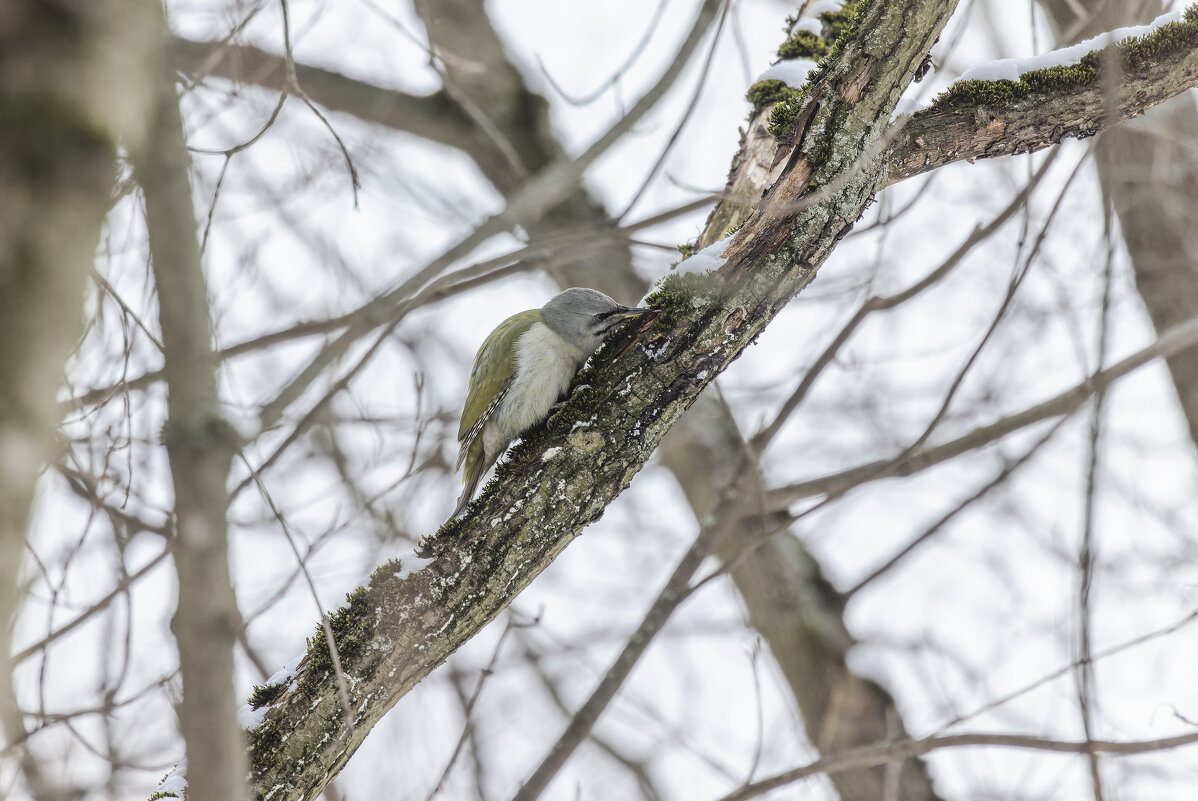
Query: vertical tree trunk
{"points": [[1147, 170], [71, 85], [200, 446]]}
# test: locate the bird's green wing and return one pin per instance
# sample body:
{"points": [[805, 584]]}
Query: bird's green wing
{"points": [[493, 369]]}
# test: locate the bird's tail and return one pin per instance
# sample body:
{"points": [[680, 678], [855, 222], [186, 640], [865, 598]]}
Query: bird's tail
{"points": [[476, 465]]}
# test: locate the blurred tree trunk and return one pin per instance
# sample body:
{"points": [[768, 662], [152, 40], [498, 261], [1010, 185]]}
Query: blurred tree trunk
{"points": [[515, 140], [71, 85], [200, 446], [1148, 174], [798, 614]]}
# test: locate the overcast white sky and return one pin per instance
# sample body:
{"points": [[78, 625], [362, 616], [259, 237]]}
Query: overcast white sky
{"points": [[983, 610]]}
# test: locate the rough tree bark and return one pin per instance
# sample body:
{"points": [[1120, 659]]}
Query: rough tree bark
{"points": [[71, 85]]}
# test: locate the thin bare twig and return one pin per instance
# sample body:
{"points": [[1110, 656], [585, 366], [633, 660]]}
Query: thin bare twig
{"points": [[1005, 473], [886, 753], [468, 709], [99, 605], [686, 115], [675, 591], [1118, 648], [980, 234], [1178, 338], [637, 49], [638, 768], [294, 84], [1084, 675], [334, 653]]}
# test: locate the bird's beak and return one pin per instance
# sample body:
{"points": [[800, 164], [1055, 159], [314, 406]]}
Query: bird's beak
{"points": [[629, 312]]}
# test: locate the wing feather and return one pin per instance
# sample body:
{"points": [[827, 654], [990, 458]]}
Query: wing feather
{"points": [[491, 377]]}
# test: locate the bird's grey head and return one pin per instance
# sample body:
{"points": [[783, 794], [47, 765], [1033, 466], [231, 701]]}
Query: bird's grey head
{"points": [[584, 317]]}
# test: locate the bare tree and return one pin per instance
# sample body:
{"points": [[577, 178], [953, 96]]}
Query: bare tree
{"points": [[246, 415]]}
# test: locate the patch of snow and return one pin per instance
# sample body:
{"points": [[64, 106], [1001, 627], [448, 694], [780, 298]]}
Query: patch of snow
{"points": [[515, 507], [287, 672], [1009, 69], [821, 6], [905, 106], [810, 24], [791, 71], [655, 353], [410, 563], [550, 453], [1004, 69], [709, 258], [175, 780], [250, 718]]}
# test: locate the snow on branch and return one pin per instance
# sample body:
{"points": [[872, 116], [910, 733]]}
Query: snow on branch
{"points": [[1071, 98], [1010, 69]]}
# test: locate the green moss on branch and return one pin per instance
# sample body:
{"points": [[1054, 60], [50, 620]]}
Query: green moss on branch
{"points": [[841, 25], [267, 694], [803, 44], [840, 22], [1133, 54], [787, 100], [352, 626], [764, 93]]}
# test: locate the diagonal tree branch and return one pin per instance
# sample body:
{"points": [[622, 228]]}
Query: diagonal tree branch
{"points": [[800, 617], [397, 629], [434, 117]]}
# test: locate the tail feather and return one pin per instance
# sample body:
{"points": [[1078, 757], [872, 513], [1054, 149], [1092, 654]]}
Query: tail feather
{"points": [[476, 466]]}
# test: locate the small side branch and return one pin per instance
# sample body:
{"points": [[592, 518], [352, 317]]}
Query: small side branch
{"points": [[891, 752], [987, 119]]}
